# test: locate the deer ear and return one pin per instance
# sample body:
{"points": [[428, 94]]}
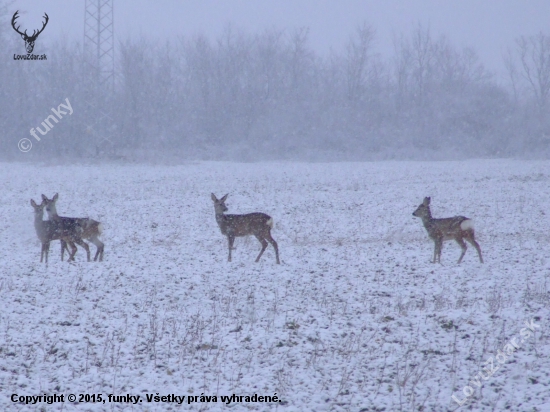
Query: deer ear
{"points": [[426, 201], [44, 197], [214, 198], [55, 197], [223, 198], [33, 203]]}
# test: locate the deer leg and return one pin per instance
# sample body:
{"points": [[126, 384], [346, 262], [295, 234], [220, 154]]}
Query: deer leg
{"points": [[44, 252], [437, 253], [275, 246], [463, 246], [47, 251], [230, 240], [476, 245], [73, 251], [100, 245], [85, 246], [264, 246], [436, 249], [63, 247]]}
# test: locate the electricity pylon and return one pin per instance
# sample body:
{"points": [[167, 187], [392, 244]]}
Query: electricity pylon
{"points": [[99, 65]]}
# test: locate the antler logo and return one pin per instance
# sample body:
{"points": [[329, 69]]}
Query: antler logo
{"points": [[29, 40]]}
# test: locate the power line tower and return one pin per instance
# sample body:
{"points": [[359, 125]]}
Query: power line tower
{"points": [[99, 43], [99, 58]]}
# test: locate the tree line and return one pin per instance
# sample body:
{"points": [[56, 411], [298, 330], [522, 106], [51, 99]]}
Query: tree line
{"points": [[269, 95]]}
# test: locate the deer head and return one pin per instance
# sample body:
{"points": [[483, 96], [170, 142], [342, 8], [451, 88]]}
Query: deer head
{"points": [[50, 204], [423, 210], [219, 204], [29, 40], [38, 209]]}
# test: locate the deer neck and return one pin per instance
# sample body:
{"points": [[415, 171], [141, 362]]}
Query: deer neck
{"points": [[221, 220], [427, 220], [53, 215], [40, 225]]}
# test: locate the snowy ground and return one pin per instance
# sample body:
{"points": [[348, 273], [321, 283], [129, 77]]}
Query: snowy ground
{"points": [[356, 318]]}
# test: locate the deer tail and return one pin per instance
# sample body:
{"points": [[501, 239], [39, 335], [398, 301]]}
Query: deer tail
{"points": [[270, 222], [467, 224], [92, 225]]}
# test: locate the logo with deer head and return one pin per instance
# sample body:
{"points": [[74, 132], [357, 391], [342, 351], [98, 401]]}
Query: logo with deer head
{"points": [[29, 40]]}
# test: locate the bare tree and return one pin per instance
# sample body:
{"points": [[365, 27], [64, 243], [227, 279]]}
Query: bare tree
{"points": [[422, 57], [533, 53], [359, 51]]}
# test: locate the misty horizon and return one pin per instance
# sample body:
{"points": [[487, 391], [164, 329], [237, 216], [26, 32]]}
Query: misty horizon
{"points": [[262, 90], [270, 96], [490, 28]]}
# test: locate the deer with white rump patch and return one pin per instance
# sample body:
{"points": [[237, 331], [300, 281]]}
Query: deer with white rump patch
{"points": [[459, 228], [89, 229], [257, 224]]}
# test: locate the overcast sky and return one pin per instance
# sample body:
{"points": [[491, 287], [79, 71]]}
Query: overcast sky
{"points": [[490, 26]]}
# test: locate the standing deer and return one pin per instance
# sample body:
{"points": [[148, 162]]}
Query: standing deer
{"points": [[47, 231], [457, 228], [257, 224], [89, 228]]}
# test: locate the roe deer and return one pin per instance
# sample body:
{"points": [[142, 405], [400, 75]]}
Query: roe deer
{"points": [[257, 224], [47, 231], [457, 228], [89, 228]]}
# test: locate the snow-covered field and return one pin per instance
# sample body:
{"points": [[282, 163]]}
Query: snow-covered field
{"points": [[355, 318]]}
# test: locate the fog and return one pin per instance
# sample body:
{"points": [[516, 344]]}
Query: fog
{"points": [[303, 80]]}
